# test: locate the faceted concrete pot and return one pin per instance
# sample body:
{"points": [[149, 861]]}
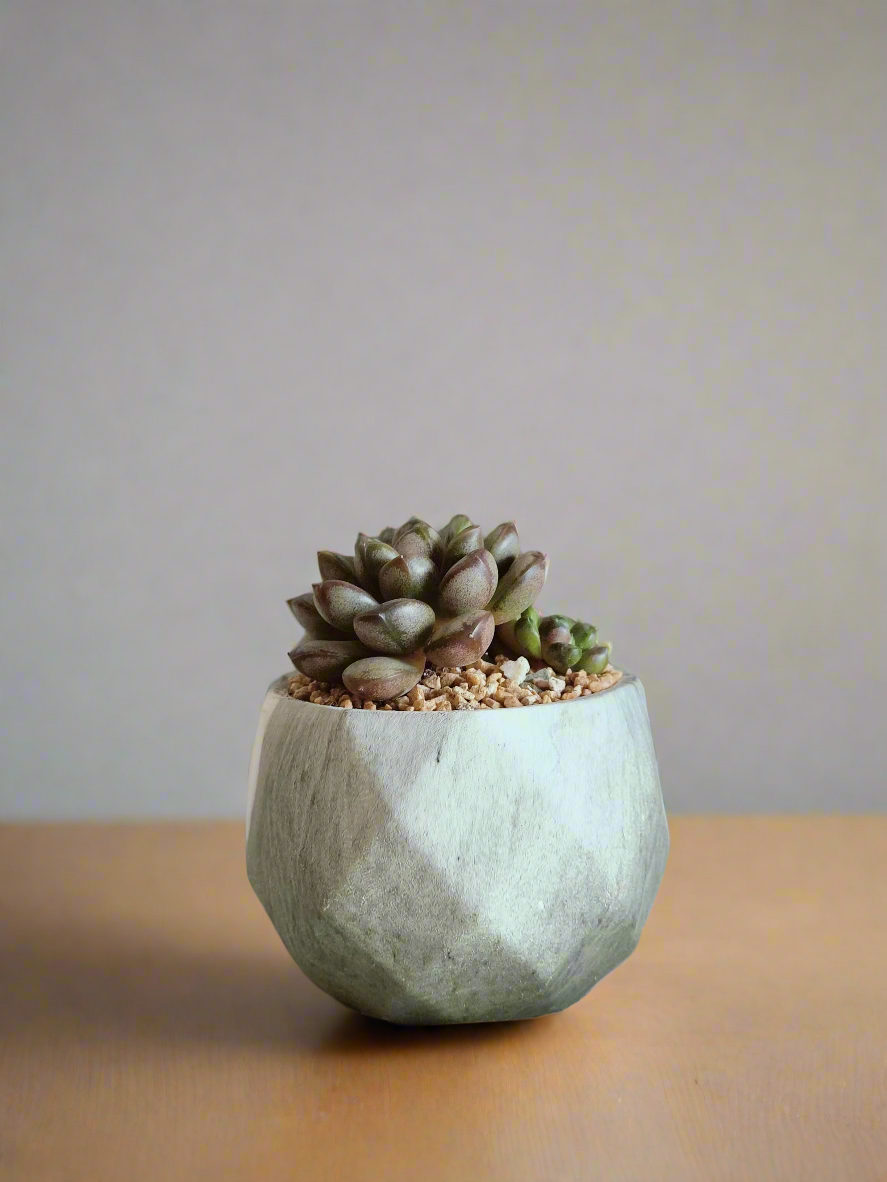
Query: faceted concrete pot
{"points": [[464, 866]]}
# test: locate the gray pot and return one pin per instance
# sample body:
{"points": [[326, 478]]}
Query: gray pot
{"points": [[469, 866]]}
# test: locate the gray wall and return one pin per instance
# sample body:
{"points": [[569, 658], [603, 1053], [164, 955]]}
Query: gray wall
{"points": [[277, 272]]}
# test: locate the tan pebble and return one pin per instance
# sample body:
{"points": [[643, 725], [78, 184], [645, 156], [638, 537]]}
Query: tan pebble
{"points": [[443, 704], [492, 704], [416, 695], [346, 703], [586, 691], [581, 677], [510, 701], [369, 705], [546, 697]]}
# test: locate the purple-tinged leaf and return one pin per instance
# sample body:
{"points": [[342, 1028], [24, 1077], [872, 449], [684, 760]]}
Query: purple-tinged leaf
{"points": [[339, 602], [469, 584], [460, 641], [397, 627], [381, 678]]}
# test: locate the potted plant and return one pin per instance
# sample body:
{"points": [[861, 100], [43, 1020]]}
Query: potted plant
{"points": [[466, 859]]}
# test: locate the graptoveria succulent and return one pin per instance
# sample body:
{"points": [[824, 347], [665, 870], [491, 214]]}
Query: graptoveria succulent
{"points": [[557, 640], [412, 595]]}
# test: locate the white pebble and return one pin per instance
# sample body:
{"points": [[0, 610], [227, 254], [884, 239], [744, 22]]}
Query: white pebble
{"points": [[542, 678], [515, 670]]}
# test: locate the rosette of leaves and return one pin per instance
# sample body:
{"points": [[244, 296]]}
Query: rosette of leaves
{"points": [[559, 641], [409, 596]]}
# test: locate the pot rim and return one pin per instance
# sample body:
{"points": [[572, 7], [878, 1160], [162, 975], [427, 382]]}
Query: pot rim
{"points": [[277, 687]]}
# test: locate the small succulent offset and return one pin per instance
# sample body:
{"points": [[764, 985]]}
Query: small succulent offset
{"points": [[559, 641], [410, 596]]}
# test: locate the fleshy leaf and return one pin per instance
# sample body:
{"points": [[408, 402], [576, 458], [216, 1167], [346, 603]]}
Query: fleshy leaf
{"points": [[469, 583], [596, 659], [375, 554], [557, 644], [420, 540], [519, 588], [409, 578], [547, 624], [326, 660], [305, 610], [361, 570], [339, 602], [381, 678], [463, 543], [504, 544], [505, 635], [462, 640], [407, 526], [526, 633], [396, 627], [454, 526], [336, 566], [556, 630], [387, 534], [561, 655], [585, 635]]}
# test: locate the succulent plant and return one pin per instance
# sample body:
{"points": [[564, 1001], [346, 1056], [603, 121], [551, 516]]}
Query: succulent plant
{"points": [[559, 641], [412, 595]]}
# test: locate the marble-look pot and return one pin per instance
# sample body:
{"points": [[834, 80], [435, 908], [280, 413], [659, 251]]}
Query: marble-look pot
{"points": [[464, 866]]}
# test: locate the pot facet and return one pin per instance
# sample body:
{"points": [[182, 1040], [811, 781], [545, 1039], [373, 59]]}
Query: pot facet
{"points": [[464, 866]]}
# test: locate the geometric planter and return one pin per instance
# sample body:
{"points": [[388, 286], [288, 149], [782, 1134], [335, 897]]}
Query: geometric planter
{"points": [[462, 866]]}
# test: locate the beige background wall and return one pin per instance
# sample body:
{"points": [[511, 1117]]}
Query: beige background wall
{"points": [[276, 272]]}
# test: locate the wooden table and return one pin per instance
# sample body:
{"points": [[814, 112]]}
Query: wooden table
{"points": [[152, 1028]]}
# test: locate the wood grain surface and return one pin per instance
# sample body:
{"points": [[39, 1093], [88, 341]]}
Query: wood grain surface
{"points": [[152, 1029]]}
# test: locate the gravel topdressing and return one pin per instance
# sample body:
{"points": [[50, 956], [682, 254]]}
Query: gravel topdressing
{"points": [[485, 685]]}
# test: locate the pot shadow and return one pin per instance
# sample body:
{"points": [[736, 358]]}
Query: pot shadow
{"points": [[90, 984], [93, 984], [358, 1035]]}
